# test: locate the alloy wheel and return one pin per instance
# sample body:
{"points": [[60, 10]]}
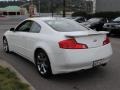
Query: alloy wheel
{"points": [[5, 45], [42, 63]]}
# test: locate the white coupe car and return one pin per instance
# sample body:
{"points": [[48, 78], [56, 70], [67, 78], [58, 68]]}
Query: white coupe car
{"points": [[58, 45]]}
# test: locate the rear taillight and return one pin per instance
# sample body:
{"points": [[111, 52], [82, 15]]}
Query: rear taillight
{"points": [[71, 44], [106, 41]]}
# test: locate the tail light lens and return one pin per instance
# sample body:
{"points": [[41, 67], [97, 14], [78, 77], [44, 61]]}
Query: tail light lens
{"points": [[71, 44], [106, 41]]}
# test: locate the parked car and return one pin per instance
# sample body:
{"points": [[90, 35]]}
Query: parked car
{"points": [[113, 27], [2, 16], [78, 19], [95, 23], [58, 45]]}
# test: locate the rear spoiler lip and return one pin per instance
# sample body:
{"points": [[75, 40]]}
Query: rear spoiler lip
{"points": [[86, 34]]}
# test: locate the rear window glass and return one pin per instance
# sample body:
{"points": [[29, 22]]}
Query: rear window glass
{"points": [[65, 25]]}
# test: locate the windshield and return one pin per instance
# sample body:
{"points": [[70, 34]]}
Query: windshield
{"points": [[65, 25], [117, 19]]}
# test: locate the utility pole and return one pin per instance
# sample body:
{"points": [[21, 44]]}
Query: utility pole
{"points": [[64, 8], [52, 8], [39, 7]]}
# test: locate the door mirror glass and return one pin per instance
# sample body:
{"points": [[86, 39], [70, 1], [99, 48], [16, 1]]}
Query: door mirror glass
{"points": [[12, 29]]}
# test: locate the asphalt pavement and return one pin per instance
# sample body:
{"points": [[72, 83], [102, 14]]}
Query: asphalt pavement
{"points": [[102, 78]]}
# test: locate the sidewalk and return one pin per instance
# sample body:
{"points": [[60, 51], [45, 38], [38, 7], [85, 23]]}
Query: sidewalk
{"points": [[6, 65]]}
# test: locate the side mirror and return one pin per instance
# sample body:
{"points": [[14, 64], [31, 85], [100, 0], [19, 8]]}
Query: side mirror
{"points": [[12, 29]]}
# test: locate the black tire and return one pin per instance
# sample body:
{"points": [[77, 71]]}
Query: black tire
{"points": [[42, 63], [5, 45]]}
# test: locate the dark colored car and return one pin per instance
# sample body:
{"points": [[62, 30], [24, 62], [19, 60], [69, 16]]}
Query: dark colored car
{"points": [[113, 27], [2, 16], [78, 19], [95, 23]]}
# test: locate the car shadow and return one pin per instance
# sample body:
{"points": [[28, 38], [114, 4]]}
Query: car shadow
{"points": [[74, 76], [24, 60], [81, 75]]}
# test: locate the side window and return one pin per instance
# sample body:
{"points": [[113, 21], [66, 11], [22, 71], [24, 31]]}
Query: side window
{"points": [[35, 28], [24, 27]]}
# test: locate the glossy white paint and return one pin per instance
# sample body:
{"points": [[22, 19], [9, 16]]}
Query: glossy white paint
{"points": [[62, 60]]}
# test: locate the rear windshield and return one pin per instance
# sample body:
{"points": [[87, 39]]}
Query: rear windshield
{"points": [[65, 25]]}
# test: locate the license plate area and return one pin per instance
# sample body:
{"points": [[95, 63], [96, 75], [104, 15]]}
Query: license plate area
{"points": [[98, 62]]}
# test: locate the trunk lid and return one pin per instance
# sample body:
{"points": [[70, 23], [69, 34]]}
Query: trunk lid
{"points": [[91, 38]]}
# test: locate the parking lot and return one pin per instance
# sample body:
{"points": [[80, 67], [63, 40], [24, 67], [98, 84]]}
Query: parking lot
{"points": [[103, 78]]}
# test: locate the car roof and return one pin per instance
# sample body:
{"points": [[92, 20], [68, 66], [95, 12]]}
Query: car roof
{"points": [[37, 19]]}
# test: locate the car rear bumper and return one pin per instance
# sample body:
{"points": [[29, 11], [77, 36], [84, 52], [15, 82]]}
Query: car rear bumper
{"points": [[75, 60]]}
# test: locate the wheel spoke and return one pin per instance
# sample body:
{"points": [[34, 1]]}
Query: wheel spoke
{"points": [[43, 69], [5, 45], [41, 63]]}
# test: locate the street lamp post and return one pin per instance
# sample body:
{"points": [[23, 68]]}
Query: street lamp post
{"points": [[64, 8], [52, 8], [39, 7]]}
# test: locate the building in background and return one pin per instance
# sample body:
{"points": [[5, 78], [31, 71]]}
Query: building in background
{"points": [[13, 10], [107, 5], [88, 6], [91, 6]]}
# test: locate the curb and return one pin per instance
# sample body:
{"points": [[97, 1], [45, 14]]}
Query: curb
{"points": [[6, 65]]}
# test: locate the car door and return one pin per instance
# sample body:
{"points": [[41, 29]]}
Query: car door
{"points": [[20, 37], [32, 38]]}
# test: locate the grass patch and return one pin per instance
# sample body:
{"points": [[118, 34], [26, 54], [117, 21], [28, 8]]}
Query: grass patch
{"points": [[9, 81]]}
